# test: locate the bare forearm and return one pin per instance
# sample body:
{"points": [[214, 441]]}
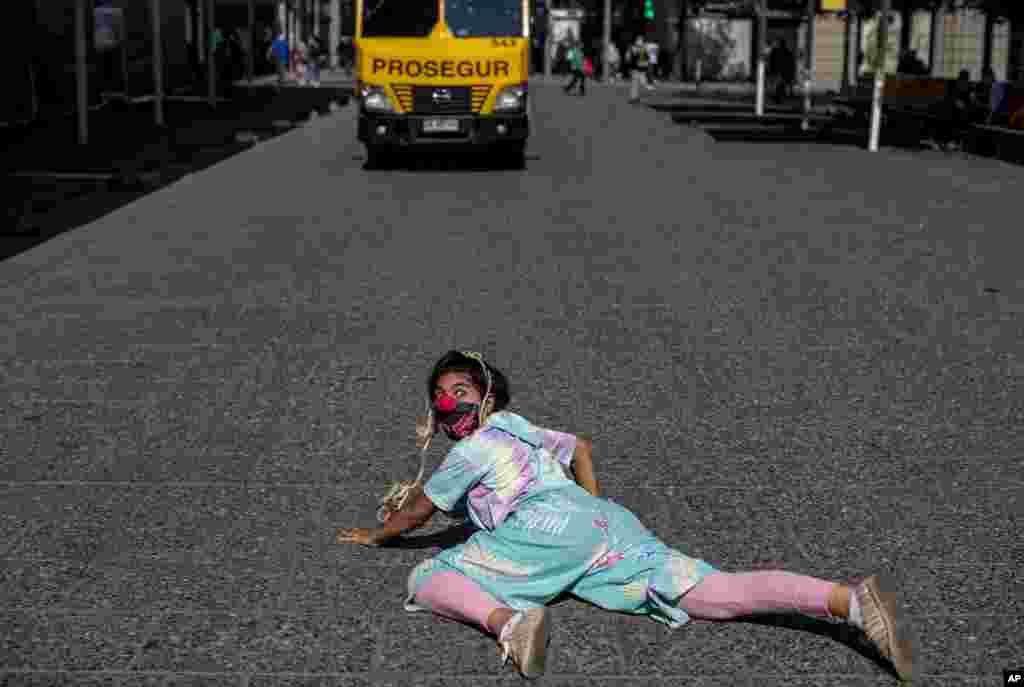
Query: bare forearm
{"points": [[583, 467], [417, 512], [397, 525]]}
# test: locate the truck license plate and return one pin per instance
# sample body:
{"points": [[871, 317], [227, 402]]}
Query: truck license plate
{"points": [[440, 126]]}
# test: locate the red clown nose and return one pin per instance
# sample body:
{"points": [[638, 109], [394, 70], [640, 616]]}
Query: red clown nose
{"points": [[445, 404]]}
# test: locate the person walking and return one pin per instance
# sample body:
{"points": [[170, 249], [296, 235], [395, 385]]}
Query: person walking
{"points": [[298, 57], [614, 60], [543, 530], [575, 57], [278, 54], [652, 62], [316, 56], [638, 61]]}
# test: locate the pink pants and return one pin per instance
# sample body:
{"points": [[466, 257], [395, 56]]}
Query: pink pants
{"points": [[719, 596]]}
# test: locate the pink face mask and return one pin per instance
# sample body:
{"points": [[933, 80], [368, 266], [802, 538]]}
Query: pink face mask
{"points": [[458, 420]]}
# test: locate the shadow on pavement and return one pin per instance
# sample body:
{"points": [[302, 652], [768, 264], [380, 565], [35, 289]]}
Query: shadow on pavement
{"points": [[470, 162], [837, 632], [457, 534], [59, 184]]}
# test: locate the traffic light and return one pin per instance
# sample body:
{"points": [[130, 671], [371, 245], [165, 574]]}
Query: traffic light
{"points": [[649, 9]]}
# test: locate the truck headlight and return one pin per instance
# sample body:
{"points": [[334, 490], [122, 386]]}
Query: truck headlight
{"points": [[375, 99], [511, 99]]}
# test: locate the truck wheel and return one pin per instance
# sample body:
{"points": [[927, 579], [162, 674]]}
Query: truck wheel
{"points": [[514, 156]]}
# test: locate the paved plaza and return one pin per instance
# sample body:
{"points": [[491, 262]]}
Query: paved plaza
{"points": [[795, 356]]}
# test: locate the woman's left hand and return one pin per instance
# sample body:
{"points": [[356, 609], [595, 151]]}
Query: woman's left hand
{"points": [[357, 535]]}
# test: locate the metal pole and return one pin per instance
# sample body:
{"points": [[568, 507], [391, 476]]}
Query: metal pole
{"points": [[250, 60], [850, 70], [211, 67], [986, 49], [682, 60], [158, 64], [606, 40], [762, 31], [316, 18], [812, 6], [547, 40], [936, 43], [876, 98], [81, 73], [335, 31]]}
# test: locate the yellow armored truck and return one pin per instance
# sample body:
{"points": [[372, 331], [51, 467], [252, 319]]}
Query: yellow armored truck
{"points": [[442, 75]]}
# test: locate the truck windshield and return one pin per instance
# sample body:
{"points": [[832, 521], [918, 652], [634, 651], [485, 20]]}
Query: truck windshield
{"points": [[399, 18], [484, 18]]}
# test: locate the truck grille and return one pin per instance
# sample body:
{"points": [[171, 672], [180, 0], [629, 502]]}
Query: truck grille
{"points": [[448, 100]]}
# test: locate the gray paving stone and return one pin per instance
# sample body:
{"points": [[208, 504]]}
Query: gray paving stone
{"points": [[319, 586], [267, 680], [968, 645], [40, 584], [192, 680], [150, 586], [276, 642], [73, 642], [58, 521], [65, 679], [428, 645], [191, 642], [197, 520]]}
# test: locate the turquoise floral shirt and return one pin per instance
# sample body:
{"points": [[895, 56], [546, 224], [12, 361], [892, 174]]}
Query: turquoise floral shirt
{"points": [[507, 461]]}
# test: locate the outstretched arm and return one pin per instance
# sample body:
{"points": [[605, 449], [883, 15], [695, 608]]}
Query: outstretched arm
{"points": [[583, 465], [417, 512]]}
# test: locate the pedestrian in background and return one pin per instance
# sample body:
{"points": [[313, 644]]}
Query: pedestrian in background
{"points": [[614, 60], [298, 57], [278, 53], [652, 61], [575, 57], [316, 56], [638, 61]]}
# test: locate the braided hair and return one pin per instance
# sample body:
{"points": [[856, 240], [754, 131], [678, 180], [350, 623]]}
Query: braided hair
{"points": [[494, 386]]}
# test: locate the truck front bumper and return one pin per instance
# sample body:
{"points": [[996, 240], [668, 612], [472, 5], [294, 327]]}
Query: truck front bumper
{"points": [[475, 131]]}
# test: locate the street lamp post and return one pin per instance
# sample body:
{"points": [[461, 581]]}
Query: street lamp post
{"points": [[335, 32], [211, 67], [250, 54], [876, 96], [81, 73], [812, 6], [547, 40], [158, 65], [606, 40], [762, 30]]}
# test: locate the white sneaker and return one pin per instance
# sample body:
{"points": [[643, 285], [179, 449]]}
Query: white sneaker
{"points": [[527, 643], [883, 626]]}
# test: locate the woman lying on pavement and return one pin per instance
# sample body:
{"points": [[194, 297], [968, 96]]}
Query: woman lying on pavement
{"points": [[544, 530]]}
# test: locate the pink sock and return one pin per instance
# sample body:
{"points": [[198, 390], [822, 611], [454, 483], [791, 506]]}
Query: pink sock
{"points": [[724, 596], [455, 596]]}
